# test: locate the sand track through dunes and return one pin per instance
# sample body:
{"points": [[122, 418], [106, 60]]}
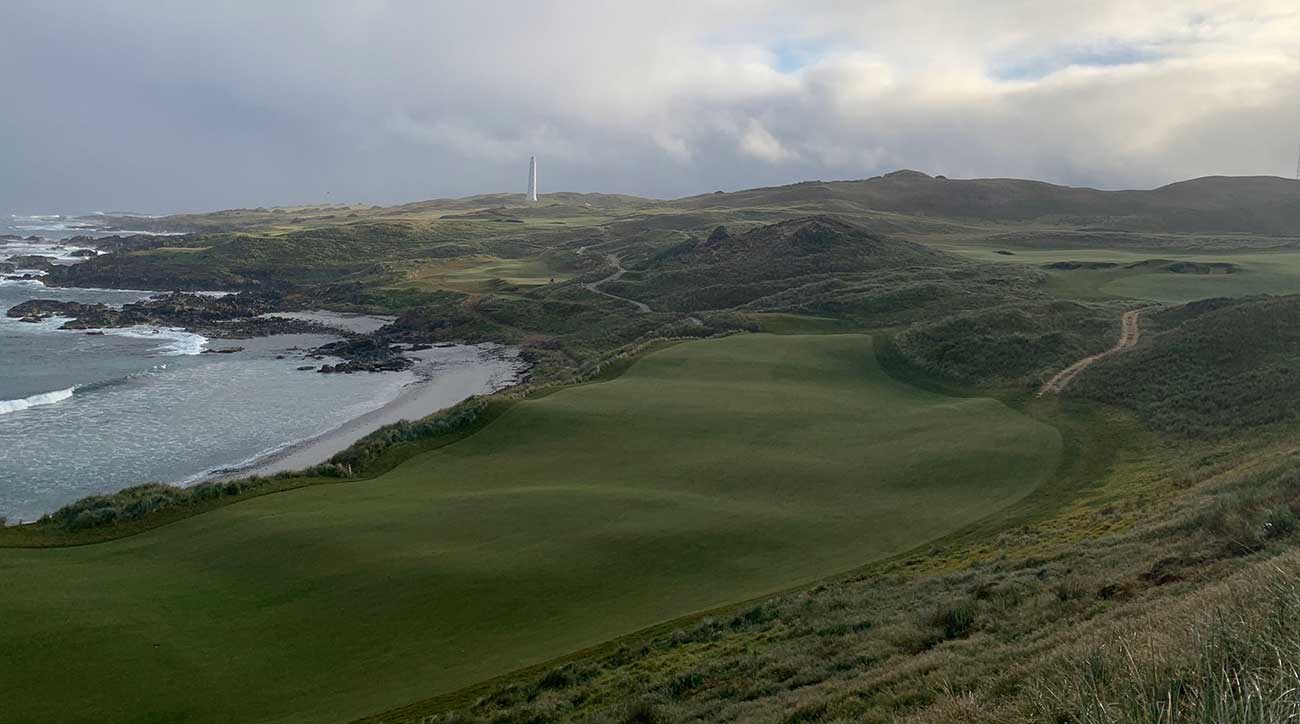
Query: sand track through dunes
{"points": [[618, 273], [1128, 338]]}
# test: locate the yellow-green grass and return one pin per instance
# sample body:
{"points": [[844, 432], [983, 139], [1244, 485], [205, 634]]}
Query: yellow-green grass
{"points": [[709, 472], [1259, 272], [172, 250], [478, 273], [781, 323]]}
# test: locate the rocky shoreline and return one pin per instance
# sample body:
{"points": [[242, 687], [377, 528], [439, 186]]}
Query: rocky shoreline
{"points": [[237, 316]]}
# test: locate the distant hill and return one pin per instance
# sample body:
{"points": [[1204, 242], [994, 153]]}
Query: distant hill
{"points": [[601, 202], [1248, 204], [485, 206], [1265, 205]]}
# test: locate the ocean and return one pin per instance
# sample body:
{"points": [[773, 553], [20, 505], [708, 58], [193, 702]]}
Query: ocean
{"points": [[83, 414]]}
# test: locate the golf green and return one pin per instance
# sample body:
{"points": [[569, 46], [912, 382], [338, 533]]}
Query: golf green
{"points": [[710, 472]]}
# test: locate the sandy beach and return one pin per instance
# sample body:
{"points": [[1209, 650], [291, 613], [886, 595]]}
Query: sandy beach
{"points": [[444, 376]]}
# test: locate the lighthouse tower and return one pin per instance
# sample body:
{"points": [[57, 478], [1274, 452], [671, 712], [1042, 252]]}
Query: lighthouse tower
{"points": [[532, 179]]}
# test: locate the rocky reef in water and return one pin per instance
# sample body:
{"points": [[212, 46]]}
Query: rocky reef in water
{"points": [[235, 316]]}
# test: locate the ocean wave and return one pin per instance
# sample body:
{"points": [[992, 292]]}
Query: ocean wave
{"points": [[179, 342], [45, 398], [50, 398], [20, 282], [59, 252], [48, 324], [118, 381]]}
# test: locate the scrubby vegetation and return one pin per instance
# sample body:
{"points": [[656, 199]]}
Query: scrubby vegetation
{"points": [[1018, 345], [1213, 369]]}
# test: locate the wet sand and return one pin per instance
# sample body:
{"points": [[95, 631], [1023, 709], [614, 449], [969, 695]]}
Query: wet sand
{"points": [[444, 377], [359, 323]]}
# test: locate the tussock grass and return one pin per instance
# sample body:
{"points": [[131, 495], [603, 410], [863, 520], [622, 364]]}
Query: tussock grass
{"points": [[1229, 654]]}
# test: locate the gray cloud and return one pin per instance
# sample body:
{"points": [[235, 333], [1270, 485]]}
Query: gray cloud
{"points": [[172, 106]]}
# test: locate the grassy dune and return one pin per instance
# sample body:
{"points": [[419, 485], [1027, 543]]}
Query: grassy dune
{"points": [[710, 472]]}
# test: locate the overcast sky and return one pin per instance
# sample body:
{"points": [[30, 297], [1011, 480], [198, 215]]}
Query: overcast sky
{"points": [[167, 106]]}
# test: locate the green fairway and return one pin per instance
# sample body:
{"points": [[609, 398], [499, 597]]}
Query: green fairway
{"points": [[475, 274], [710, 472]]}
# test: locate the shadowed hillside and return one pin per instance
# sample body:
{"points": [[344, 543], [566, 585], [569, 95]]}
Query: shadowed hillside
{"points": [[822, 265], [1256, 204]]}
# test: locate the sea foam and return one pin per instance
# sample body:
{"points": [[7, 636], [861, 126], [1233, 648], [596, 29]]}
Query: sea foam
{"points": [[45, 398], [177, 343]]}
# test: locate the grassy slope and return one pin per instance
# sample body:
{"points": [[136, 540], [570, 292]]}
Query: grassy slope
{"points": [[573, 518]]}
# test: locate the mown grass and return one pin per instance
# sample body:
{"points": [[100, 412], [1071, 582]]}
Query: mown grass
{"points": [[709, 472], [483, 274], [1010, 635]]}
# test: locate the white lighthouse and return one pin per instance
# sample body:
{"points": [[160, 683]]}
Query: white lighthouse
{"points": [[532, 178]]}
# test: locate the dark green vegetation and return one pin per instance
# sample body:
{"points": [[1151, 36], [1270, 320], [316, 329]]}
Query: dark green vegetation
{"points": [[1088, 557], [1212, 369], [642, 497]]}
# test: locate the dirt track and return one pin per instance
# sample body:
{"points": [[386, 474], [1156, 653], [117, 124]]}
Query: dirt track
{"points": [[1128, 336], [618, 265]]}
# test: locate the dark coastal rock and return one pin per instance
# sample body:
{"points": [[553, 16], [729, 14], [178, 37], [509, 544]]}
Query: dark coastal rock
{"points": [[305, 368], [95, 332], [44, 308], [360, 348], [7, 268], [237, 316], [363, 354], [230, 317], [82, 253], [10, 237], [32, 261], [262, 327], [116, 243], [394, 364]]}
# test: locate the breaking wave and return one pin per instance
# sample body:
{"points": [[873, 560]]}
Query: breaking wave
{"points": [[45, 398]]}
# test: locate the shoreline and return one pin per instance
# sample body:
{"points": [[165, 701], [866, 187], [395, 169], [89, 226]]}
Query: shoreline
{"points": [[442, 384], [441, 376]]}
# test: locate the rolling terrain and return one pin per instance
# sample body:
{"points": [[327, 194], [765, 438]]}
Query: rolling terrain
{"points": [[642, 498], [782, 459]]}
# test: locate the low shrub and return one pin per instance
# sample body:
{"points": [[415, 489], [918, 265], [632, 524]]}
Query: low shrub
{"points": [[954, 620]]}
